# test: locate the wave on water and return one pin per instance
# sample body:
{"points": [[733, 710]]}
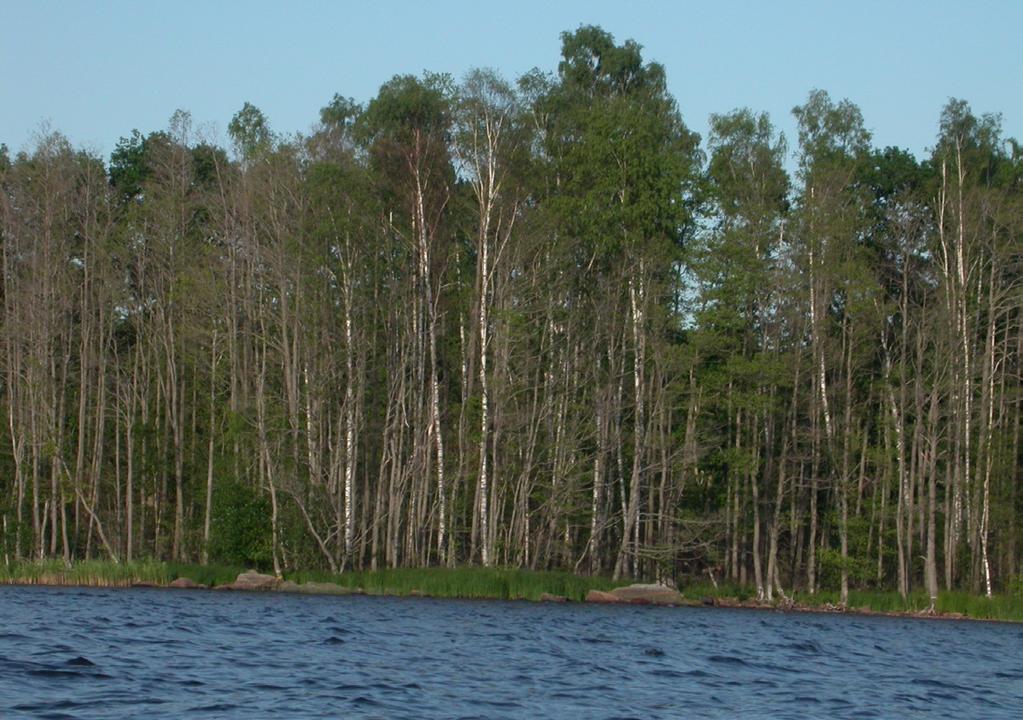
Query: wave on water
{"points": [[141, 653]]}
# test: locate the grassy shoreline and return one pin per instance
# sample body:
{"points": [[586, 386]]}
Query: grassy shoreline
{"points": [[955, 605], [467, 583], [509, 584]]}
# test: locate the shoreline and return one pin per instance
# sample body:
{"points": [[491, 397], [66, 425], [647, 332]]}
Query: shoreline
{"points": [[268, 584]]}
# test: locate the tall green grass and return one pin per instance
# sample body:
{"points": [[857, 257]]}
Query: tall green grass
{"points": [[467, 582], [701, 590], [872, 600], [103, 573], [1000, 607], [98, 573]]}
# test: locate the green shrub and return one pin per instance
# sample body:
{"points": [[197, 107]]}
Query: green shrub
{"points": [[241, 532], [862, 570]]}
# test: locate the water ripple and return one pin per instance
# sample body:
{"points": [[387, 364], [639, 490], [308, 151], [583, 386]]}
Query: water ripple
{"points": [[82, 653]]}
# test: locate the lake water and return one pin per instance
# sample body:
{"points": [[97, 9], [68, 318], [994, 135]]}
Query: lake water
{"points": [[83, 653]]}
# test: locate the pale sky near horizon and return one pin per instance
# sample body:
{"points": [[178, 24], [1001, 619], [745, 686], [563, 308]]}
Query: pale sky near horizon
{"points": [[96, 70]]}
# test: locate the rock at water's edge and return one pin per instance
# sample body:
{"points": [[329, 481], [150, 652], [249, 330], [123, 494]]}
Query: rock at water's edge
{"points": [[638, 595], [185, 583], [253, 581], [648, 595], [315, 588], [548, 597]]}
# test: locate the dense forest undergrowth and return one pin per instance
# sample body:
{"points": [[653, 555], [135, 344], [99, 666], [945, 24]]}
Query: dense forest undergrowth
{"points": [[536, 325]]}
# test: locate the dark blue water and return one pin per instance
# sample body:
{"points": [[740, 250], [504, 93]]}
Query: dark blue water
{"points": [[78, 653]]}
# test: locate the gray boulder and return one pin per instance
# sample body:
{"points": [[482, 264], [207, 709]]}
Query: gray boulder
{"points": [[253, 581], [638, 595], [652, 594], [315, 588]]}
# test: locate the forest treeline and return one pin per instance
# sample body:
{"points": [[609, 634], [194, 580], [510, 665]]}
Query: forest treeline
{"points": [[532, 324]]}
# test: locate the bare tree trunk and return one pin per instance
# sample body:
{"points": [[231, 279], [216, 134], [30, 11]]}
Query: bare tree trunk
{"points": [[209, 452], [631, 510]]}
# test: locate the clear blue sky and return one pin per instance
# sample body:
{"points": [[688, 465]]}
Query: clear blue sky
{"points": [[96, 70]]}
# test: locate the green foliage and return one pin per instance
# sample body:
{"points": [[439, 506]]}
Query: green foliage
{"points": [[128, 167], [830, 133], [406, 126], [746, 165], [241, 530], [250, 131], [207, 162], [406, 105], [861, 569], [340, 113], [619, 149]]}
